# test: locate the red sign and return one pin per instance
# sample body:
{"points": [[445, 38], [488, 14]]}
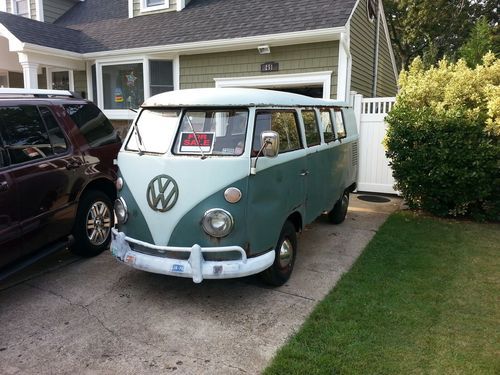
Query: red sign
{"points": [[193, 143]]}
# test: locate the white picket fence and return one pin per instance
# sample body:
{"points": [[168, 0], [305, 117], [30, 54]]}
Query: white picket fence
{"points": [[374, 173]]}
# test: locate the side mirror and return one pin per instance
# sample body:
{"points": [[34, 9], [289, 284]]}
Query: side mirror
{"points": [[270, 141]]}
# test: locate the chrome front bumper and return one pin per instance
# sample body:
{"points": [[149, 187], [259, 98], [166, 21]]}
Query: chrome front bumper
{"points": [[195, 267]]}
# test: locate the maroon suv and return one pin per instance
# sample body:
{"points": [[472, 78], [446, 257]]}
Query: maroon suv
{"points": [[56, 173]]}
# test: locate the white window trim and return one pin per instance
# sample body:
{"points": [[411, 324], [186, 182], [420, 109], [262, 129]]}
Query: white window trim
{"points": [[145, 8], [281, 80], [125, 114], [90, 86], [13, 7], [39, 10]]}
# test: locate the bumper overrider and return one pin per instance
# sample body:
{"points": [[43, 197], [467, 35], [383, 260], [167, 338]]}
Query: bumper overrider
{"points": [[195, 267]]}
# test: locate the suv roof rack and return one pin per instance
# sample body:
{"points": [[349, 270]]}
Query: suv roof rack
{"points": [[36, 93]]}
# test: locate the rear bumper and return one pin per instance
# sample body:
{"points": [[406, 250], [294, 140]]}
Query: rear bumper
{"points": [[195, 267]]}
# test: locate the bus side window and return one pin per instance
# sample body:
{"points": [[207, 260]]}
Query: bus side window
{"points": [[339, 124], [283, 122], [311, 127], [326, 121]]}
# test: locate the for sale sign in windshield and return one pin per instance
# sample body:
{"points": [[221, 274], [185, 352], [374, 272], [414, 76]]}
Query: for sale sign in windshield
{"points": [[197, 143]]}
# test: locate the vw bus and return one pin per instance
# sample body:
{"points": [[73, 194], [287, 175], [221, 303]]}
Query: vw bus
{"points": [[216, 183]]}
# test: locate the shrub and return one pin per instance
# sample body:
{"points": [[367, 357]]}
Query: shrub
{"points": [[443, 138]]}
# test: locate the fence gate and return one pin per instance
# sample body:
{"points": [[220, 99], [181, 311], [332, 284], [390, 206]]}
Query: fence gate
{"points": [[374, 173]]}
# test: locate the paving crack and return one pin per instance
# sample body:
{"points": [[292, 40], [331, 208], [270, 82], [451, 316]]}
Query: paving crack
{"points": [[294, 295], [84, 307]]}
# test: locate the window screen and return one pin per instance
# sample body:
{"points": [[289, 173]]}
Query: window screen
{"points": [[94, 126], [154, 3], [24, 134], [21, 8], [313, 137], [161, 76], [284, 123]]}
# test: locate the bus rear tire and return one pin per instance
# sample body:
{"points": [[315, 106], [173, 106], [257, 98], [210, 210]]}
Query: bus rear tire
{"points": [[285, 255], [339, 211]]}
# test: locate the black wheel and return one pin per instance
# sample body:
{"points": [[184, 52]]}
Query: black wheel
{"points": [[286, 253], [339, 211], [94, 220]]}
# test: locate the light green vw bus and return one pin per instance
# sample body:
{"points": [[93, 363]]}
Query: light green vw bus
{"points": [[216, 183]]}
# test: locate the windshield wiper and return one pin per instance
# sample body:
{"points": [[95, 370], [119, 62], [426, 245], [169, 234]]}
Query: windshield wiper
{"points": [[203, 156], [138, 138]]}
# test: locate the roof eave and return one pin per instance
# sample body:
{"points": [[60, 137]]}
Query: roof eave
{"points": [[221, 45], [209, 46]]}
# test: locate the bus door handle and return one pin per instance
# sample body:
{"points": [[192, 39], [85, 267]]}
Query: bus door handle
{"points": [[304, 173]]}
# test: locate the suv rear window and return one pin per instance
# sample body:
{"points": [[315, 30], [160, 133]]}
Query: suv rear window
{"points": [[93, 124]]}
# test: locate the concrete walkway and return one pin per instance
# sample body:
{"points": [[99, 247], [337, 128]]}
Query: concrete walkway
{"points": [[97, 316]]}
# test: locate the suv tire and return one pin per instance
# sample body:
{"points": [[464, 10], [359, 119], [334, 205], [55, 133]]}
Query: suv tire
{"points": [[93, 223]]}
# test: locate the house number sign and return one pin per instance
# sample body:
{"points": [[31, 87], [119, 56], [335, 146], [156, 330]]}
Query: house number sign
{"points": [[270, 67]]}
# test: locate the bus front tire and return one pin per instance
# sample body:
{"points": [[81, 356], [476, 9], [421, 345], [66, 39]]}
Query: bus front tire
{"points": [[285, 255], [339, 211]]}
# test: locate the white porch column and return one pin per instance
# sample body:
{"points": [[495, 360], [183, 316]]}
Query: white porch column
{"points": [[30, 74]]}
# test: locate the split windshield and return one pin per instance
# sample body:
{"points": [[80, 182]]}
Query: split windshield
{"points": [[204, 132]]}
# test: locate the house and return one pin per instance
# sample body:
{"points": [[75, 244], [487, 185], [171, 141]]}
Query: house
{"points": [[119, 52]]}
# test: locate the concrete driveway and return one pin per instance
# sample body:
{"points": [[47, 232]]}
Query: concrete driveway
{"points": [[98, 316]]}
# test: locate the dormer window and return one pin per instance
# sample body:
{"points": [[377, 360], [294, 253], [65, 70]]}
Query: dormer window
{"points": [[21, 7], [151, 5]]}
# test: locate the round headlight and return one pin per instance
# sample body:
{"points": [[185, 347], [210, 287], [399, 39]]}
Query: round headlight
{"points": [[121, 211], [119, 183], [217, 222]]}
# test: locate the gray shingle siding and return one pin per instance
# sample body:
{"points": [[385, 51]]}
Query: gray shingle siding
{"points": [[16, 80], [362, 51], [42, 79], [197, 71], [363, 40], [53, 9], [386, 81], [80, 79]]}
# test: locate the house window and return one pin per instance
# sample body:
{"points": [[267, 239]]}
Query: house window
{"points": [[4, 80], [21, 8], [153, 3], [123, 86], [60, 80], [161, 76], [148, 5], [126, 85]]}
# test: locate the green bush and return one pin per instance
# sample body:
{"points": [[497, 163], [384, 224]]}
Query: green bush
{"points": [[443, 139]]}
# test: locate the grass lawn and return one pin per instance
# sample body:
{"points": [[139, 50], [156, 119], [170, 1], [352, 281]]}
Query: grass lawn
{"points": [[423, 298]]}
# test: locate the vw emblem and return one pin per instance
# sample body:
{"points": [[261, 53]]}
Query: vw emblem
{"points": [[162, 193]]}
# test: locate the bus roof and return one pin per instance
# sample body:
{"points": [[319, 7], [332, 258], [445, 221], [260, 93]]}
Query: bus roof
{"points": [[235, 97]]}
